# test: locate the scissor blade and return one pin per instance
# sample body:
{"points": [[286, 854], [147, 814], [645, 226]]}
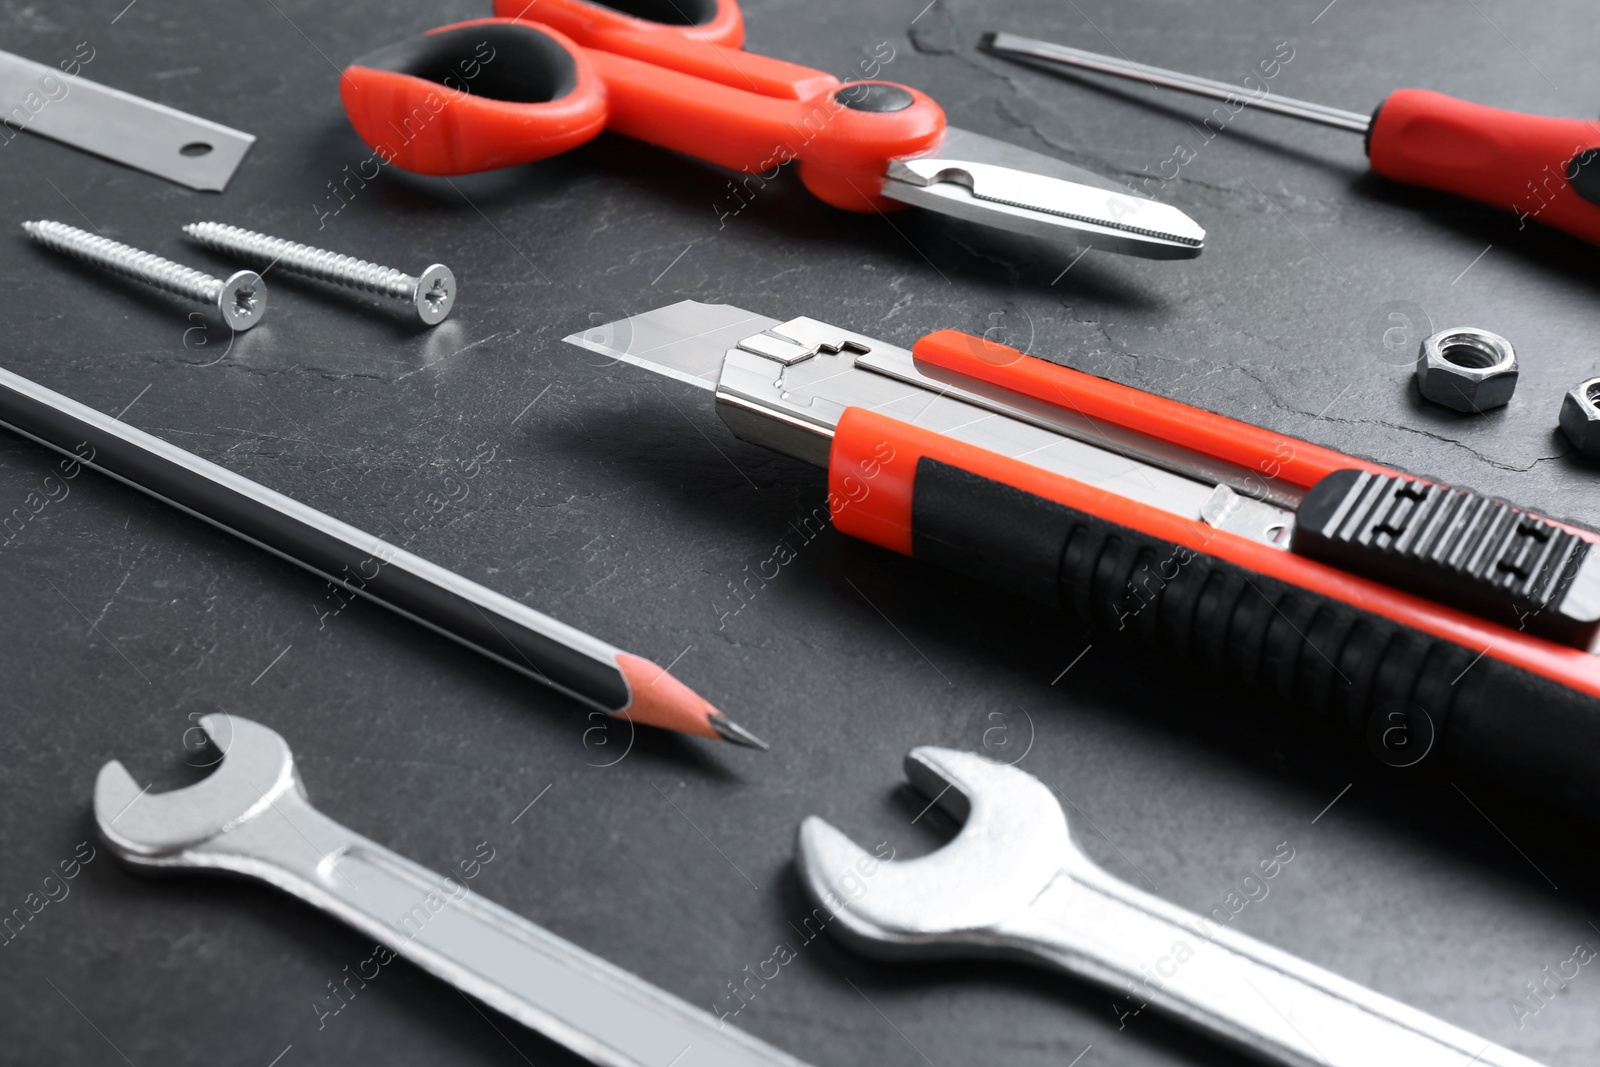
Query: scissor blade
{"points": [[964, 144], [686, 340], [986, 181]]}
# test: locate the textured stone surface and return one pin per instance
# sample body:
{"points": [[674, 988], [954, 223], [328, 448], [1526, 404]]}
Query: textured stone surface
{"points": [[620, 504]]}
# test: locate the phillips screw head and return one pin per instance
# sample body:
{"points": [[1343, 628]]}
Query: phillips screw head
{"points": [[241, 300], [431, 295], [435, 294]]}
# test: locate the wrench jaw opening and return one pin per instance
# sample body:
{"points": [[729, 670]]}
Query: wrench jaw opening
{"points": [[930, 777], [187, 828], [961, 899], [1013, 885], [251, 819], [829, 864], [831, 867]]}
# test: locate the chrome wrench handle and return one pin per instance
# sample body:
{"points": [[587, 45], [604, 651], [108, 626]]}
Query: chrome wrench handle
{"points": [[251, 818], [1014, 884], [1092, 925], [544, 982]]}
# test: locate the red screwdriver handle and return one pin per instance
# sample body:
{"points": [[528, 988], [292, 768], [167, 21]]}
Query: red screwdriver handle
{"points": [[1532, 165]]}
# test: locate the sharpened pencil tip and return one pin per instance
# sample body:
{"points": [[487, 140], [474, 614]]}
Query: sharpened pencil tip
{"points": [[731, 731], [656, 698]]}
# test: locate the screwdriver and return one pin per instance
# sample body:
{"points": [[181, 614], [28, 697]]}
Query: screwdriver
{"points": [[1541, 168]]}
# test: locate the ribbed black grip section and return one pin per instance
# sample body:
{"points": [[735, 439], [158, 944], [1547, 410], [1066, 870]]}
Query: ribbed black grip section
{"points": [[1316, 652], [1461, 548]]}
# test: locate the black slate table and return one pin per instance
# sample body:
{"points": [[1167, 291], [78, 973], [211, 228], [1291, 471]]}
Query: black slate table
{"points": [[619, 503]]}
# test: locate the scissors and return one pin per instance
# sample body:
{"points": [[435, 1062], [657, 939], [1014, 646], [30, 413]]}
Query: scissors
{"points": [[499, 92]]}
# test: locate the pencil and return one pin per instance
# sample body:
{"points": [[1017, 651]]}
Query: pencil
{"points": [[562, 657]]}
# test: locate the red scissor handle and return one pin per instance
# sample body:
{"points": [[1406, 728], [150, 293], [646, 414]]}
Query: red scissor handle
{"points": [[630, 23], [687, 86], [698, 37], [437, 105], [474, 96], [843, 152]]}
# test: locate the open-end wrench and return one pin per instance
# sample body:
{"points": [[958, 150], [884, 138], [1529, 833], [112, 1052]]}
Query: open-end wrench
{"points": [[1013, 884], [251, 817]]}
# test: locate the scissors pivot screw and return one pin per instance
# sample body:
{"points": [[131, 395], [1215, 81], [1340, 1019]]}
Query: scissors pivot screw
{"points": [[241, 298], [432, 294]]}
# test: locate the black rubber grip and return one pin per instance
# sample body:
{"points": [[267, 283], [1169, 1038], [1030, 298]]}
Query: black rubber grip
{"points": [[1489, 718], [667, 12], [1459, 547], [533, 67]]}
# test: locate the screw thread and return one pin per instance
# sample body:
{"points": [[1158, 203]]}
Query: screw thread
{"points": [[126, 260], [313, 262]]}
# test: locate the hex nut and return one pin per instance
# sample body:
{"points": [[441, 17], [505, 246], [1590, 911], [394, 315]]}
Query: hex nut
{"points": [[1580, 417], [1467, 369]]}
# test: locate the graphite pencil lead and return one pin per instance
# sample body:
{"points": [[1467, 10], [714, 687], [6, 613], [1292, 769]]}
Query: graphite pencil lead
{"points": [[731, 731]]}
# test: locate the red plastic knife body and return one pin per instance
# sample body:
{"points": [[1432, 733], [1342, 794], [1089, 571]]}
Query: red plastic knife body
{"points": [[1503, 701]]}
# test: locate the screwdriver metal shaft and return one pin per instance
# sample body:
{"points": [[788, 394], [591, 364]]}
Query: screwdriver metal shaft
{"points": [[1044, 53]]}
